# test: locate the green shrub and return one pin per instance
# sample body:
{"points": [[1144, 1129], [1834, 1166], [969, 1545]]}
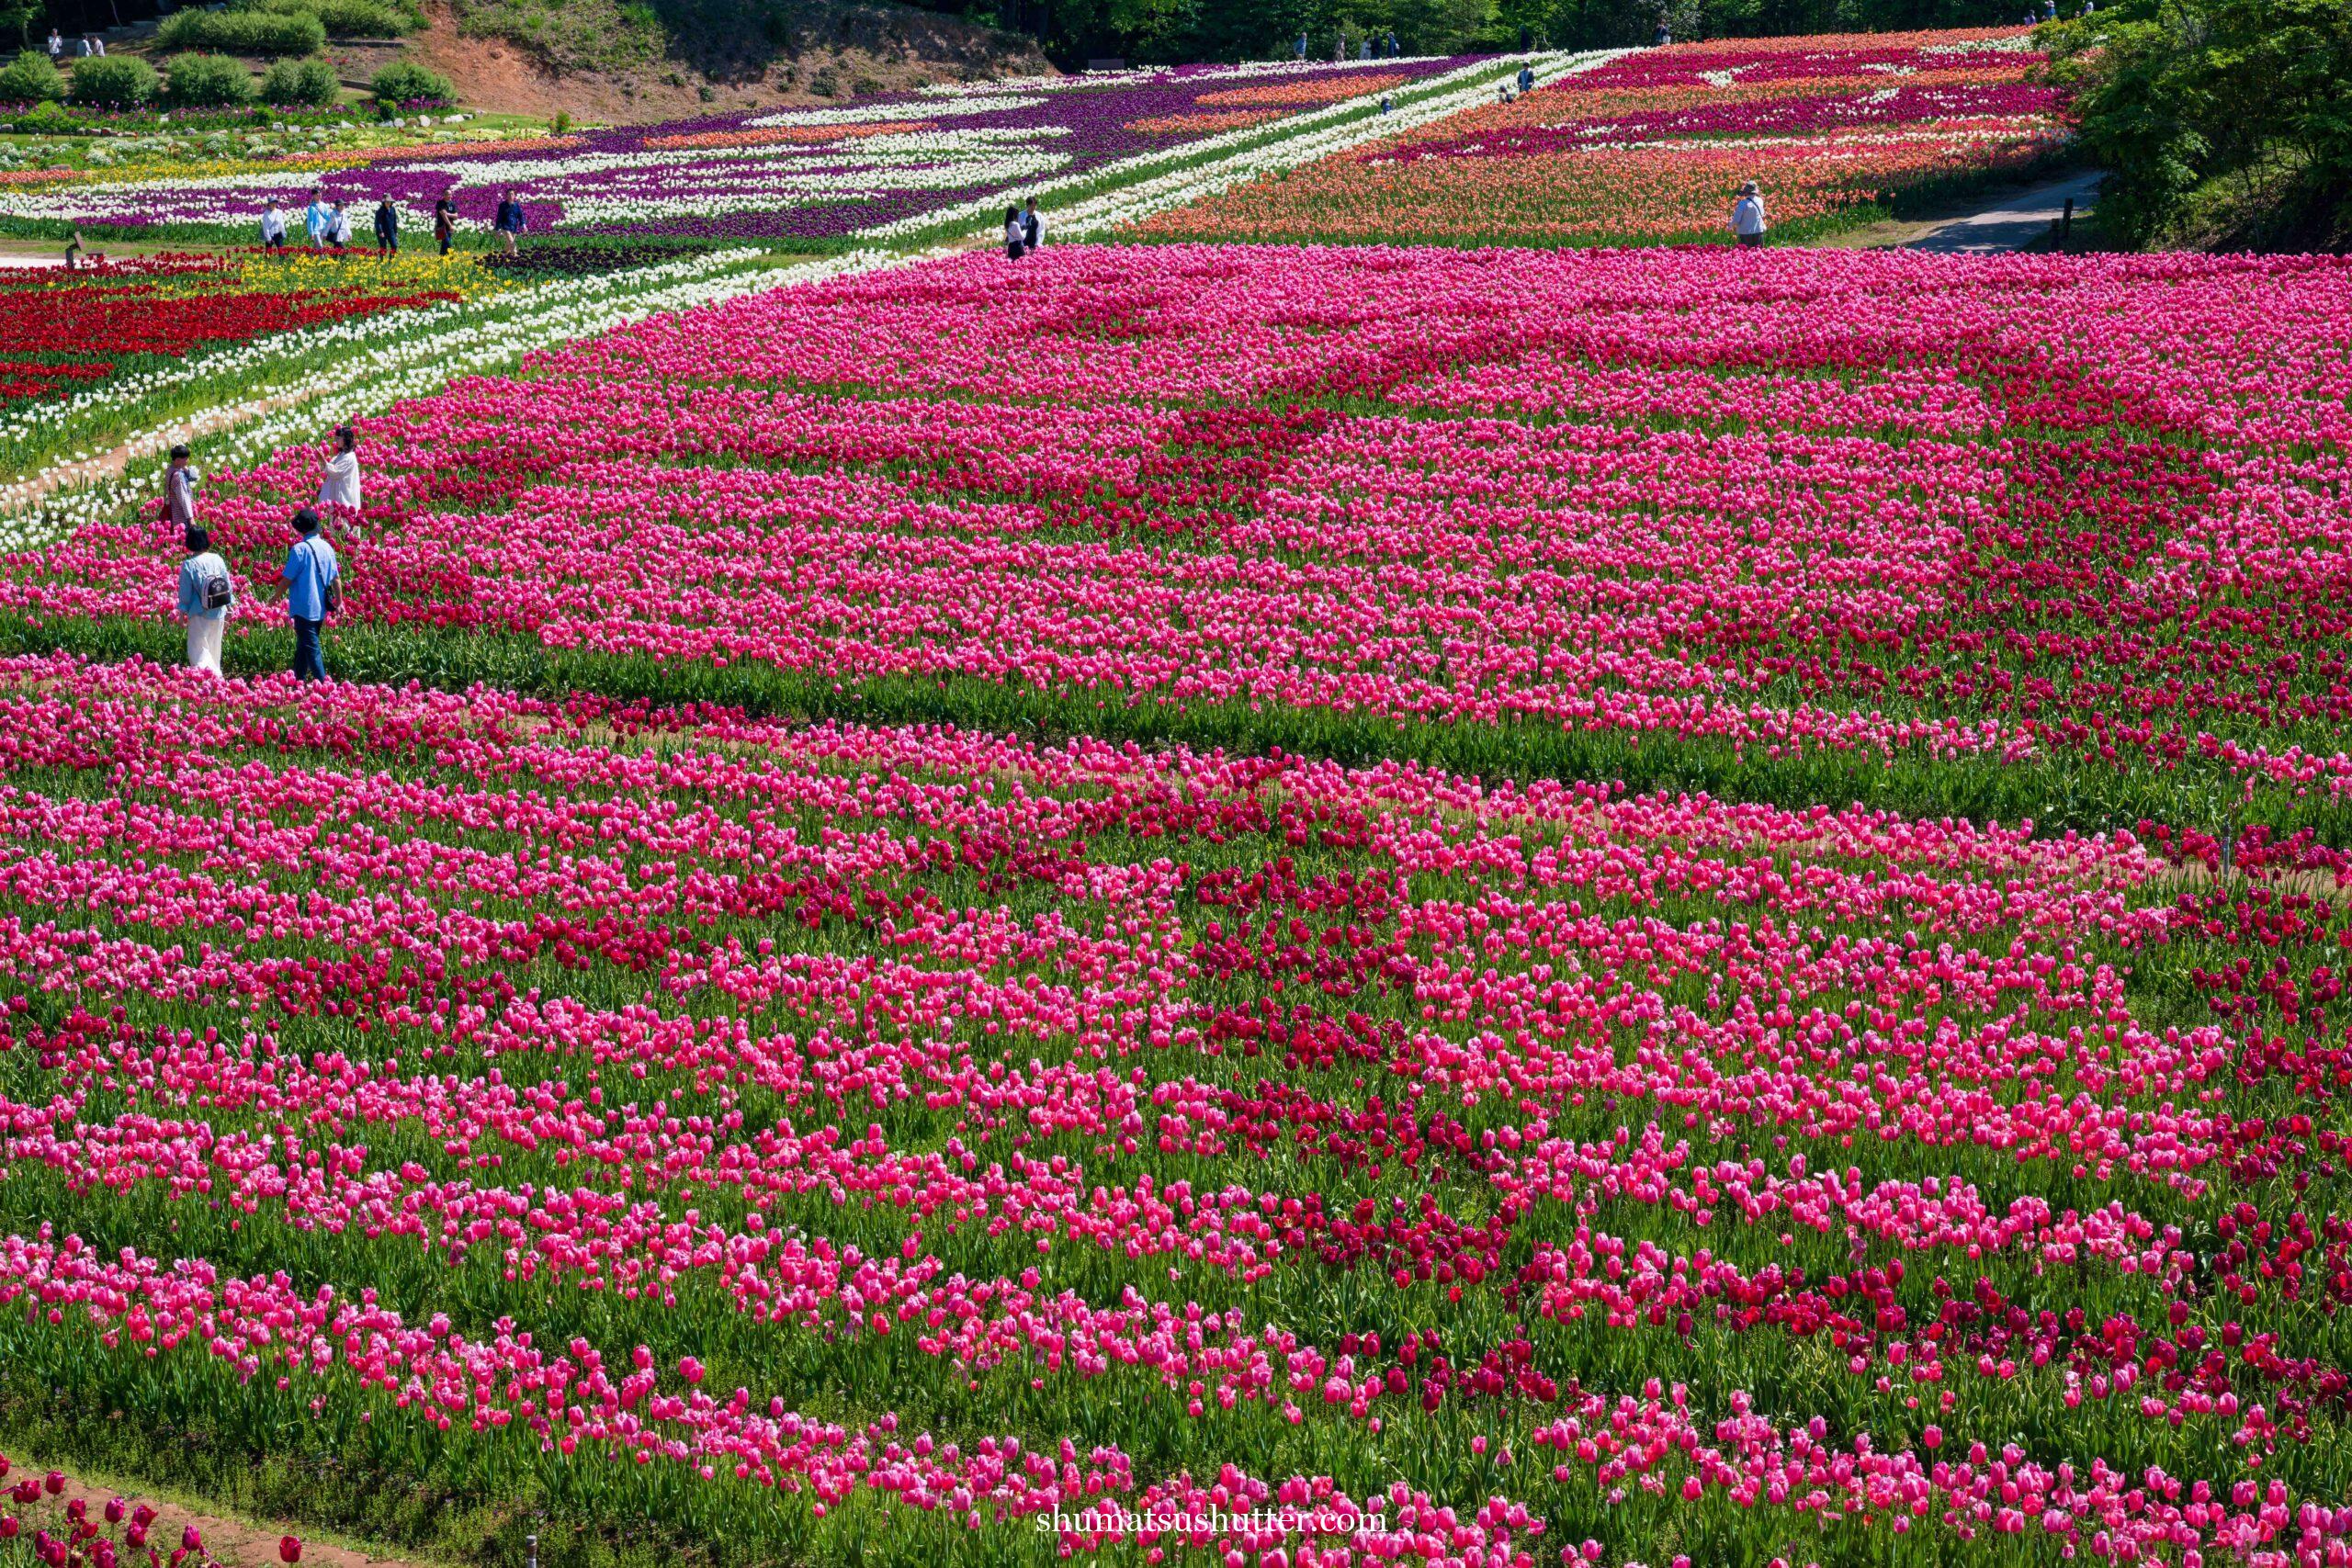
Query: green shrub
{"points": [[206, 81], [31, 78], [243, 32], [115, 82], [50, 118], [308, 81], [344, 19], [403, 80]]}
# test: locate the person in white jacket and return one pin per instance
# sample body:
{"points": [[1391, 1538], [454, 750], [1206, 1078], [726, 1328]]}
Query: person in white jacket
{"points": [[1747, 215], [340, 485]]}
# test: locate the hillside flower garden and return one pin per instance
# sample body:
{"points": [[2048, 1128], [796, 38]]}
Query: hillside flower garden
{"points": [[1261, 905], [1643, 147]]}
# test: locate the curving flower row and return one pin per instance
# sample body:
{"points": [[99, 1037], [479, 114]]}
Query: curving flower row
{"points": [[624, 1086], [1891, 503], [1650, 146]]}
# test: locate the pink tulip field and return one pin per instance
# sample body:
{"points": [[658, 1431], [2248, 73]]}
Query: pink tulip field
{"points": [[1223, 904], [2054, 529], [818, 1140]]}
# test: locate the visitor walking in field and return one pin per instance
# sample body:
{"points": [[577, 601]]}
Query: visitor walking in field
{"points": [[1016, 238], [180, 481], [387, 229], [1033, 227], [1748, 216], [312, 593], [1526, 80], [445, 222], [273, 227], [206, 595], [510, 221], [317, 220], [339, 483], [341, 226]]}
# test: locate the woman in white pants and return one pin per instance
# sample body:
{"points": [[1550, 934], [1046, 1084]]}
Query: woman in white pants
{"points": [[206, 595]]}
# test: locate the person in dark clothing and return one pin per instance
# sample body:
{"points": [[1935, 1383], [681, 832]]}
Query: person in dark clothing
{"points": [[1033, 227], [445, 222], [387, 229], [1016, 243]]}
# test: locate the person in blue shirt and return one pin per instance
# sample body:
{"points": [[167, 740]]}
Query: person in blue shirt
{"points": [[309, 575]]}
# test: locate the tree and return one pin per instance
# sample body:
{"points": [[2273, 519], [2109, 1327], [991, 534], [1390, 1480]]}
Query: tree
{"points": [[2232, 116]]}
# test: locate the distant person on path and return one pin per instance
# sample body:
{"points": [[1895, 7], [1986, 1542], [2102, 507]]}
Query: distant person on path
{"points": [[207, 596], [387, 229], [510, 221], [1340, 47], [1526, 38], [180, 481], [1033, 227], [1302, 46], [1665, 34], [1363, 48], [310, 593], [56, 46], [339, 483], [445, 223], [1526, 80], [1393, 51], [273, 227], [97, 46], [318, 218], [341, 226], [1748, 216], [1016, 238], [82, 47]]}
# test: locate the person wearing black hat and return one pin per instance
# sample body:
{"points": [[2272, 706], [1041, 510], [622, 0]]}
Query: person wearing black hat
{"points": [[312, 593], [207, 596]]}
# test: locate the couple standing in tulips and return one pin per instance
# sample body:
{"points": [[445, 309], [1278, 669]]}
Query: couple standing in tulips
{"points": [[311, 575]]}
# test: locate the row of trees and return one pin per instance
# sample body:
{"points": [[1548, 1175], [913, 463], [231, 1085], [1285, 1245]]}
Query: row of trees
{"points": [[1074, 31], [2223, 123]]}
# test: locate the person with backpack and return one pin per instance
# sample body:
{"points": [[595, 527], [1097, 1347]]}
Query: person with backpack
{"points": [[207, 596], [312, 593]]}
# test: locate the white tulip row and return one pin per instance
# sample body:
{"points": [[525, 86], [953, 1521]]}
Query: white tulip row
{"points": [[1152, 75], [1133, 203], [420, 354], [1455, 88]]}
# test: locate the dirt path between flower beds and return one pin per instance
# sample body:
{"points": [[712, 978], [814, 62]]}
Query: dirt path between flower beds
{"points": [[23, 494], [1991, 223], [233, 1541]]}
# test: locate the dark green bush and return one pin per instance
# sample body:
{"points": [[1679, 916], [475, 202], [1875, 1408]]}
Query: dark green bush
{"points": [[243, 32], [308, 81], [114, 82], [206, 81], [404, 81], [31, 78]]}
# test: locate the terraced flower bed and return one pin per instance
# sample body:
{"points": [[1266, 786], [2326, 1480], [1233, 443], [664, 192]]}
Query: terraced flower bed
{"points": [[1650, 148]]}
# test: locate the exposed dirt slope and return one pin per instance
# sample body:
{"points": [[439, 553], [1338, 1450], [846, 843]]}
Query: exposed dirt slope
{"points": [[812, 51]]}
